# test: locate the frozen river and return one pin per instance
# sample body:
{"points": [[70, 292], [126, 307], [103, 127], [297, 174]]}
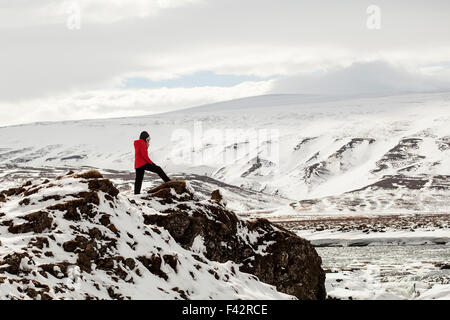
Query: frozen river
{"points": [[387, 272]]}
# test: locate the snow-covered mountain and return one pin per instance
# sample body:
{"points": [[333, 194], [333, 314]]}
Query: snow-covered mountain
{"points": [[296, 146]]}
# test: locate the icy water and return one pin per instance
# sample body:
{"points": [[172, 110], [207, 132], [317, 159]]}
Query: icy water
{"points": [[387, 272]]}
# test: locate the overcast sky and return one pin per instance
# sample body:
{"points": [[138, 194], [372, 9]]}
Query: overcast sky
{"points": [[135, 57]]}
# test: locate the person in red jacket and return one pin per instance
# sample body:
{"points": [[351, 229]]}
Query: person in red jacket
{"points": [[142, 162]]}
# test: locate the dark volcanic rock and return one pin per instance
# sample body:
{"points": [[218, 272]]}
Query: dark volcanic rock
{"points": [[37, 222], [153, 264], [73, 208], [163, 191], [216, 196], [104, 185], [275, 255], [11, 263], [91, 174]]}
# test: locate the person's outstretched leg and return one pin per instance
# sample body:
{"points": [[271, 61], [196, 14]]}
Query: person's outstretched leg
{"points": [[138, 182], [158, 170]]}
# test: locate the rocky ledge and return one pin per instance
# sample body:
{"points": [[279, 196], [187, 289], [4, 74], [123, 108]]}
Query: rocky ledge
{"points": [[77, 237]]}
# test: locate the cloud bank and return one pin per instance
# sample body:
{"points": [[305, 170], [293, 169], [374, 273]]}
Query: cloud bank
{"points": [[376, 77], [44, 63]]}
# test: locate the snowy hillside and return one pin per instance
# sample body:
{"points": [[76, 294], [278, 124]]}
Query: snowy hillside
{"points": [[297, 146], [78, 237]]}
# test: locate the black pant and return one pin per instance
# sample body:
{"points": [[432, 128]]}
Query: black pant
{"points": [[140, 175]]}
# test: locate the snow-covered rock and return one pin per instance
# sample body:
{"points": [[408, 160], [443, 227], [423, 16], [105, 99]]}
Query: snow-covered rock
{"points": [[78, 237]]}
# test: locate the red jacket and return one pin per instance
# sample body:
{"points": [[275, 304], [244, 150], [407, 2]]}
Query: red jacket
{"points": [[140, 154]]}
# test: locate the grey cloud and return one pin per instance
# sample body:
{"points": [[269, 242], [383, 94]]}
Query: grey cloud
{"points": [[361, 78], [45, 59]]}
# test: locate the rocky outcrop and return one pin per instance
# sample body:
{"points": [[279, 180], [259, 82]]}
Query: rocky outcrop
{"points": [[82, 239], [273, 254]]}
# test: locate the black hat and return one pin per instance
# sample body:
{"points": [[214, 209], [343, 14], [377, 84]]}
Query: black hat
{"points": [[144, 135]]}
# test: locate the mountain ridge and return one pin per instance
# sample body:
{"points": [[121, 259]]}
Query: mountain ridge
{"points": [[319, 149]]}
